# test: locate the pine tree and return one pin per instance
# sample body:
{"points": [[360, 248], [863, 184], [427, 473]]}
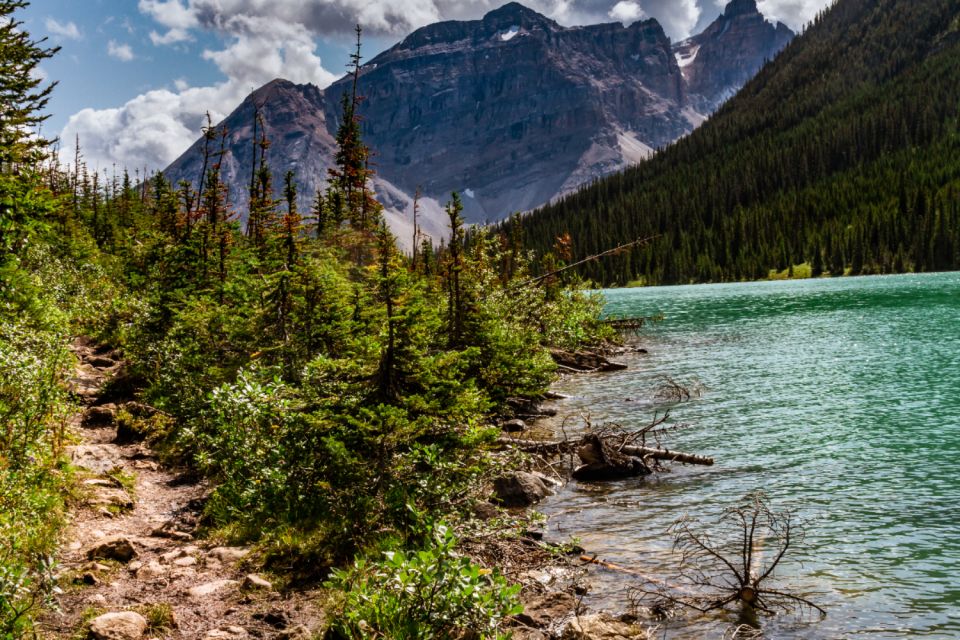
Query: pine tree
{"points": [[454, 269], [23, 96]]}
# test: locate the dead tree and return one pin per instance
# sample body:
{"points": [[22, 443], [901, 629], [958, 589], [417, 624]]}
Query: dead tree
{"points": [[735, 565]]}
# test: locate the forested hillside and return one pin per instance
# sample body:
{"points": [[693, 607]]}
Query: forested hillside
{"points": [[842, 153]]}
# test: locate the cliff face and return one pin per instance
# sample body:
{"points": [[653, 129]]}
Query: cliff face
{"points": [[300, 140], [512, 110], [719, 61]]}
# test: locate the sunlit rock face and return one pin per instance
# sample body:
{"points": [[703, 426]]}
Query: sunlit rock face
{"points": [[512, 110]]}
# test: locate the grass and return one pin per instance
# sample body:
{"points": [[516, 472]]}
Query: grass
{"points": [[796, 272], [159, 616]]}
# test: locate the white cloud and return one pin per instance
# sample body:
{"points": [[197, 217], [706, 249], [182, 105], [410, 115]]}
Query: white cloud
{"points": [[153, 129], [626, 11], [793, 13], [67, 30], [265, 39], [121, 52], [677, 17], [172, 36], [176, 17]]}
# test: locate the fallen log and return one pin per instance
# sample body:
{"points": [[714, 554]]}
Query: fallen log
{"points": [[667, 455], [566, 446], [583, 361]]}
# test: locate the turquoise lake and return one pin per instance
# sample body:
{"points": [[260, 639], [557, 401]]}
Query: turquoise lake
{"points": [[839, 398]]}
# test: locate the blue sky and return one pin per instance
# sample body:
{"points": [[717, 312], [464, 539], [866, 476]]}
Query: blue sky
{"points": [[137, 76]]}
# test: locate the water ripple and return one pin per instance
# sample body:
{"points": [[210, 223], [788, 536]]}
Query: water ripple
{"points": [[839, 398]]}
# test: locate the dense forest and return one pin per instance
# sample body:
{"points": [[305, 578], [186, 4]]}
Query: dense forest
{"points": [[842, 156], [339, 394]]}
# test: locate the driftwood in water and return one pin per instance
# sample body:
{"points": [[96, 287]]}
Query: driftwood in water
{"points": [[583, 362], [603, 462], [567, 446]]}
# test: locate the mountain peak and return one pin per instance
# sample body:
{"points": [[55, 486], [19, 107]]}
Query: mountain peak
{"points": [[741, 8], [514, 13]]}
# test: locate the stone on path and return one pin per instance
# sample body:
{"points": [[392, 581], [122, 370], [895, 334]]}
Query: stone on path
{"points": [[101, 416], [123, 625], [210, 588], [253, 581], [111, 497], [119, 549], [227, 633], [99, 458], [226, 555]]}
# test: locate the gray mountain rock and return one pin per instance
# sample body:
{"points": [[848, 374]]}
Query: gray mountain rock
{"points": [[512, 110]]}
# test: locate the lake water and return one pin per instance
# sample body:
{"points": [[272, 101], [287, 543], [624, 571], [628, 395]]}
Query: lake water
{"points": [[840, 399]]}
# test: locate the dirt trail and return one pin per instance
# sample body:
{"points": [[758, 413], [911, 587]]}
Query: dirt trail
{"points": [[130, 546]]}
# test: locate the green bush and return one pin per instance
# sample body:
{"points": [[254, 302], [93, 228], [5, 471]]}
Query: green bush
{"points": [[32, 412], [431, 594]]}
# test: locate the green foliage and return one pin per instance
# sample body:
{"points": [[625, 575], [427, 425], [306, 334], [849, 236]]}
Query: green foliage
{"points": [[430, 594], [841, 153], [32, 415]]}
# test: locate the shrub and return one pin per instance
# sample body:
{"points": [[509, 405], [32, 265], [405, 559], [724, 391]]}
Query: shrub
{"points": [[422, 595]]}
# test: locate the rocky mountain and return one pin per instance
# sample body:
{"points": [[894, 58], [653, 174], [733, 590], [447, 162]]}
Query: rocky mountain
{"points": [[717, 62], [839, 157], [511, 110]]}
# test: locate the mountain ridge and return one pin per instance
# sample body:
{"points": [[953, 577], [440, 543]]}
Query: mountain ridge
{"points": [[839, 157], [513, 110]]}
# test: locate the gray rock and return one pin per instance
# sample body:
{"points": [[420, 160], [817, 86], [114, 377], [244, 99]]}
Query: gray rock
{"points": [[297, 632], [119, 549], [151, 570], [226, 555], [123, 625], [548, 611], [519, 489], [513, 426], [207, 589], [98, 458], [253, 581], [227, 633], [545, 108], [100, 416], [602, 627], [111, 497], [728, 53], [101, 362]]}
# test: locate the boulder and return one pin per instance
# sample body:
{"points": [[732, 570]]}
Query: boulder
{"points": [[602, 627], [513, 426], [548, 611], [519, 489], [101, 362], [100, 416], [584, 361], [123, 625], [119, 549], [98, 458]]}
